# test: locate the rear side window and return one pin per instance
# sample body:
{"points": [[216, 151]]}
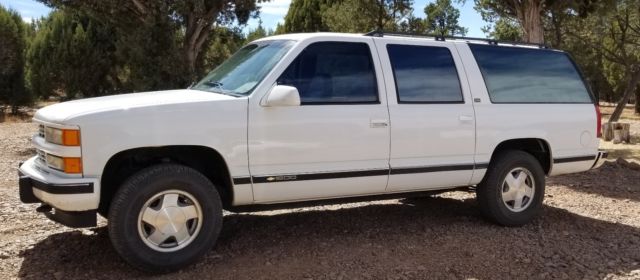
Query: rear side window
{"points": [[520, 75], [424, 74], [333, 73]]}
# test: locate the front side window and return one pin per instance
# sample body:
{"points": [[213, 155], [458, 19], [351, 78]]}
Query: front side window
{"points": [[525, 75], [333, 73], [424, 74], [242, 72]]}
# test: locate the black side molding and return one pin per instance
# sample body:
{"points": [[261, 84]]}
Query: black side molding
{"points": [[356, 173], [574, 159], [428, 169], [600, 158], [241, 180], [320, 176]]}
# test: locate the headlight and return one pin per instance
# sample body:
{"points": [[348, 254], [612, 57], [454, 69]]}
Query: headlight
{"points": [[67, 165], [65, 137]]}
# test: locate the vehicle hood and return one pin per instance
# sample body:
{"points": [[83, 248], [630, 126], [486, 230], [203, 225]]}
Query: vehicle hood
{"points": [[63, 112]]}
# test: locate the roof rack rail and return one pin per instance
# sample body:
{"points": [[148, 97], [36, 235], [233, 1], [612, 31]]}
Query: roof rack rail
{"points": [[379, 33]]}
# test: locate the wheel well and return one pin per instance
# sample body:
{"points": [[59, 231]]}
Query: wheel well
{"points": [[204, 159], [537, 147]]}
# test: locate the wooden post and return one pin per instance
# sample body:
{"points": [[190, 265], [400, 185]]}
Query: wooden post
{"points": [[617, 135], [607, 131], [621, 132], [626, 134]]}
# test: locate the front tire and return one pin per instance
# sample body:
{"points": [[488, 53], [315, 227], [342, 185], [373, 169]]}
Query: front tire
{"points": [[165, 217], [512, 191]]}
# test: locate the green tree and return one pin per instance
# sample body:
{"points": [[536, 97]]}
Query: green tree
{"points": [[259, 32], [529, 13], [280, 29], [72, 54], [414, 25], [161, 28], [366, 15], [504, 29], [612, 33], [307, 16], [225, 43], [442, 18], [150, 57], [12, 60]]}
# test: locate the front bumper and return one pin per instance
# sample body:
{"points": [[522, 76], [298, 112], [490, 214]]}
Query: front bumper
{"points": [[601, 157], [74, 200]]}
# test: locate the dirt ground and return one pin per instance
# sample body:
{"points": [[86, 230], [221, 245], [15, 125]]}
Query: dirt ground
{"points": [[589, 229]]}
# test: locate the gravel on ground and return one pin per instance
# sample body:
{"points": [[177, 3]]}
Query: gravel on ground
{"points": [[589, 229]]}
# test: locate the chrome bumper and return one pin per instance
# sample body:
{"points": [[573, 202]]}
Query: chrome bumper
{"points": [[71, 202]]}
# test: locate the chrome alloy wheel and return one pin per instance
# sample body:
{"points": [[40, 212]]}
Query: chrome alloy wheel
{"points": [[518, 188], [170, 220]]}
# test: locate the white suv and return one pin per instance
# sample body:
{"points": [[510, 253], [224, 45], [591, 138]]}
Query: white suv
{"points": [[314, 117]]}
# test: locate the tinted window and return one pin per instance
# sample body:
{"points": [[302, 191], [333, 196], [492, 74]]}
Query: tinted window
{"points": [[424, 74], [520, 75], [333, 73]]}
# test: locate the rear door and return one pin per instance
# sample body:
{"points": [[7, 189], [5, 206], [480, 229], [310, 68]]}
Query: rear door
{"points": [[432, 116]]}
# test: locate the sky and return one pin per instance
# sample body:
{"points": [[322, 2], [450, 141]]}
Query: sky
{"points": [[271, 13]]}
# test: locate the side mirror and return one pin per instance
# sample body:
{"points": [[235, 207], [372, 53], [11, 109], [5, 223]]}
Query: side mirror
{"points": [[282, 96]]}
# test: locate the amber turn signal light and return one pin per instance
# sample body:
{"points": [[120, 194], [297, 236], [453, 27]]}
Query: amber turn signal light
{"points": [[72, 165], [70, 137]]}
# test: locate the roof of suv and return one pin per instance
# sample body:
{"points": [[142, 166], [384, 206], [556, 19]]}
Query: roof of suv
{"points": [[406, 36]]}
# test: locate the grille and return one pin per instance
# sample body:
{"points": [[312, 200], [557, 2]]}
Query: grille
{"points": [[41, 131]]}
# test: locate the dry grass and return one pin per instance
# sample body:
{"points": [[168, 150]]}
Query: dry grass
{"points": [[626, 151], [607, 109], [25, 114], [19, 118]]}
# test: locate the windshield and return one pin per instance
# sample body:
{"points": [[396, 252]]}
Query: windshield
{"points": [[242, 72]]}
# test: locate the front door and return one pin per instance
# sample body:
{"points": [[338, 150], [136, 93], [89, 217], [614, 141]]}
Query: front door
{"points": [[337, 142]]}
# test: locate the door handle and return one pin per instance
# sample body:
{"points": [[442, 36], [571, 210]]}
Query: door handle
{"points": [[465, 118], [379, 123]]}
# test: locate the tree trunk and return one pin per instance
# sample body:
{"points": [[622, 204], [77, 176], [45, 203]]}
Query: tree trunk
{"points": [[529, 14], [198, 29], [193, 47], [190, 56], [621, 133], [630, 89]]}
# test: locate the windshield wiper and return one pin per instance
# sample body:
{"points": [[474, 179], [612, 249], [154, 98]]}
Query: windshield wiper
{"points": [[218, 86]]}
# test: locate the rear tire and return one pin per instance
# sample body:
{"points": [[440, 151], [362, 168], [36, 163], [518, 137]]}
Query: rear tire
{"points": [[512, 190], [165, 217]]}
